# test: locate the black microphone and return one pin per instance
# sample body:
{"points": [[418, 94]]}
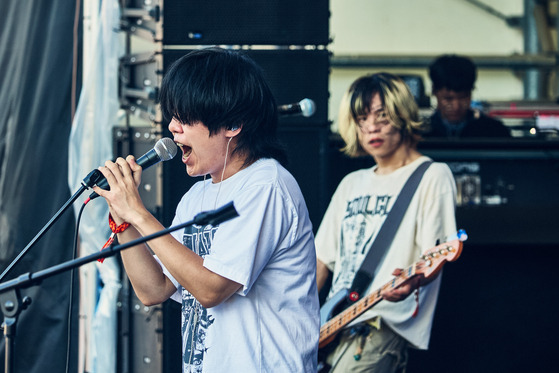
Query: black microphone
{"points": [[306, 107], [163, 150]]}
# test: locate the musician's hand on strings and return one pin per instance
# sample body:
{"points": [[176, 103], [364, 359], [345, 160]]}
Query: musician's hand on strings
{"points": [[403, 291]]}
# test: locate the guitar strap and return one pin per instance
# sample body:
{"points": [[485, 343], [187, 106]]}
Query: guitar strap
{"points": [[364, 276]]}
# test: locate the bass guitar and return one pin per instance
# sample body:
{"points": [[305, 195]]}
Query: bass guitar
{"points": [[429, 264]]}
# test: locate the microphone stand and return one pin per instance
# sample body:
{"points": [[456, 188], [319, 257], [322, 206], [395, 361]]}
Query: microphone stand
{"points": [[89, 181], [12, 304]]}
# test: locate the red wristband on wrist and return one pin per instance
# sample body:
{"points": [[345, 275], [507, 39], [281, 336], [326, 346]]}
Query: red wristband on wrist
{"points": [[115, 229]]}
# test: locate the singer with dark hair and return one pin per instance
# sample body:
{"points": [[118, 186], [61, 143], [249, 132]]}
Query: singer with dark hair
{"points": [[453, 78], [247, 286], [378, 117]]}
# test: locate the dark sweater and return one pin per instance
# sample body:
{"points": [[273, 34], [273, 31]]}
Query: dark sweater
{"points": [[477, 124]]}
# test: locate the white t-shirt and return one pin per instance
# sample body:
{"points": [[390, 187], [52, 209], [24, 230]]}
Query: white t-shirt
{"points": [[355, 214], [272, 323]]}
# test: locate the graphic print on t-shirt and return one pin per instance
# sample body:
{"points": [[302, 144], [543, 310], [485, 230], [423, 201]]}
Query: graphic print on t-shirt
{"points": [[363, 218], [195, 321]]}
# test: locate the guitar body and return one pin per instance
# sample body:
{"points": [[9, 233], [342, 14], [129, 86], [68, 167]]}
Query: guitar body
{"points": [[337, 303], [333, 306], [339, 311]]}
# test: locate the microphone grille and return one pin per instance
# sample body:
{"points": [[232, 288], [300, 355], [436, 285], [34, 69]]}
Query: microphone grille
{"points": [[165, 148], [308, 107]]}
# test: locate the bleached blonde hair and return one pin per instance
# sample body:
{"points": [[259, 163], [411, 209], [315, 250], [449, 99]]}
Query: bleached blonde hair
{"points": [[397, 100]]}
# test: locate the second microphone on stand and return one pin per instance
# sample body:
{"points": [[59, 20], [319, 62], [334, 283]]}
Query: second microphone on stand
{"points": [[306, 107]]}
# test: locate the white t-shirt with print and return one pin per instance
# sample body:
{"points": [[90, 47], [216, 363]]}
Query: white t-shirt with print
{"points": [[272, 323]]}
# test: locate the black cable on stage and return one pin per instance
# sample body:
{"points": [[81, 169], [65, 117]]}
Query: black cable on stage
{"points": [[70, 304]]}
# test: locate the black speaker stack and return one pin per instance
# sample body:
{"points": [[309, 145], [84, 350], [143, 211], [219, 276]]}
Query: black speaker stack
{"points": [[289, 40]]}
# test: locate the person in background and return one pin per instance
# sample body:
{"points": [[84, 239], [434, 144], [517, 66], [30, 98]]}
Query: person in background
{"points": [[453, 78], [247, 286], [379, 117]]}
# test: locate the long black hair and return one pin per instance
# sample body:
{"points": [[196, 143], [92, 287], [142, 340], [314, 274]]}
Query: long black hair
{"points": [[223, 88]]}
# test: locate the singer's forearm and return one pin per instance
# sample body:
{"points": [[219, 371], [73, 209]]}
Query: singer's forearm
{"points": [[145, 274], [184, 265]]}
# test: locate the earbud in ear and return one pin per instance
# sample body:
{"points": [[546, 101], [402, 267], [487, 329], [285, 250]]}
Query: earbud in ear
{"points": [[233, 128]]}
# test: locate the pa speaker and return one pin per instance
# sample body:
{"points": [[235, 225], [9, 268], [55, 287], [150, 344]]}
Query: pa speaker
{"points": [[239, 22], [307, 150]]}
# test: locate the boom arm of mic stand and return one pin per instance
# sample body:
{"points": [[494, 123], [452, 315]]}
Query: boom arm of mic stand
{"points": [[11, 303], [213, 217]]}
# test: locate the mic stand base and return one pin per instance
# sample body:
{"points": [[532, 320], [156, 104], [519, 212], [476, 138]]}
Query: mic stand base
{"points": [[11, 304]]}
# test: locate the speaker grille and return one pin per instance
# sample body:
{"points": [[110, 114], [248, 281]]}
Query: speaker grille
{"points": [[260, 22]]}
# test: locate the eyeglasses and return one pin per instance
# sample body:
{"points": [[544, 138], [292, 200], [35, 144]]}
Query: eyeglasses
{"points": [[379, 117]]}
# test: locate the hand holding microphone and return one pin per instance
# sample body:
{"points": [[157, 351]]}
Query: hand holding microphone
{"points": [[163, 150]]}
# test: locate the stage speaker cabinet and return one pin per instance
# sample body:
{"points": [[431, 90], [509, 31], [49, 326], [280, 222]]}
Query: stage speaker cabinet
{"points": [[506, 190], [307, 149], [226, 22], [291, 74]]}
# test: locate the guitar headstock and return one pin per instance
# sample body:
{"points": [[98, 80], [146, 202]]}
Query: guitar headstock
{"points": [[433, 259]]}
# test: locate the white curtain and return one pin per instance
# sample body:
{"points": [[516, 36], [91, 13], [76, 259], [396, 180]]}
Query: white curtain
{"points": [[90, 145]]}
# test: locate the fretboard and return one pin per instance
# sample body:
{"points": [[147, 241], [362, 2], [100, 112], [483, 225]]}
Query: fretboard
{"points": [[332, 326]]}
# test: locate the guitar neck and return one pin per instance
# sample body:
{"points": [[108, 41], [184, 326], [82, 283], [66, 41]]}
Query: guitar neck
{"points": [[334, 325]]}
